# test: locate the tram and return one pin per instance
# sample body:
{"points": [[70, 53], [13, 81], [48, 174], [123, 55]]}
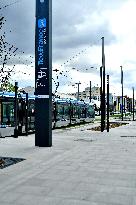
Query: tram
{"points": [[7, 105], [64, 111], [67, 112]]}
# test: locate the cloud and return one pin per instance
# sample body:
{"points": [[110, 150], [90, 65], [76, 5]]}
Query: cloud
{"points": [[21, 22], [75, 24], [78, 25]]}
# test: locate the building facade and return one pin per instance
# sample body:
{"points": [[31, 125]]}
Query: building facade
{"points": [[85, 95]]}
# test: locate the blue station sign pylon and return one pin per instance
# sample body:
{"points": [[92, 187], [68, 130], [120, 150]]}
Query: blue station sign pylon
{"points": [[43, 73]]}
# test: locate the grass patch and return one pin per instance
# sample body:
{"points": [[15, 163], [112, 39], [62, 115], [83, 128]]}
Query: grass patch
{"points": [[111, 125], [73, 125]]}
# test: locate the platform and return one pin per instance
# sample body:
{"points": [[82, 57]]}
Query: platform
{"points": [[83, 167]]}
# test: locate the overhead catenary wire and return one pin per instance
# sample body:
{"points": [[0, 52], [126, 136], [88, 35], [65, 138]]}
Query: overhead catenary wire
{"points": [[71, 59], [62, 72], [10, 4]]}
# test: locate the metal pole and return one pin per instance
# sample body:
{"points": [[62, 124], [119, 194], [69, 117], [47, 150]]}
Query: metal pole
{"points": [[90, 91], [15, 111], [133, 104], [101, 105], [124, 105], [122, 92], [70, 113], [26, 115], [103, 65], [129, 104], [78, 92], [107, 103]]}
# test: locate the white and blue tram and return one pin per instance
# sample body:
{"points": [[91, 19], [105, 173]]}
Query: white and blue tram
{"points": [[64, 111]]}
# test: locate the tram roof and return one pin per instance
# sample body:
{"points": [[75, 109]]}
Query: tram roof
{"points": [[12, 95], [32, 97]]}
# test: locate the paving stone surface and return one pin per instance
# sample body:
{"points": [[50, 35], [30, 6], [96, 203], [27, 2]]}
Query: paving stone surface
{"points": [[83, 167], [6, 131]]}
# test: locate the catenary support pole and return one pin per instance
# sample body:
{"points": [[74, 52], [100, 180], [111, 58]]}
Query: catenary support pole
{"points": [[101, 96], [133, 104], [103, 92], [26, 115], [107, 103]]}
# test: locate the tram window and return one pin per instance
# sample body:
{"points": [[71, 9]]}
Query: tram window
{"points": [[8, 113], [66, 111], [60, 111], [0, 113]]}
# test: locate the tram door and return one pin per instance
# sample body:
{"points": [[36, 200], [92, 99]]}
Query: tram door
{"points": [[26, 118], [7, 112]]}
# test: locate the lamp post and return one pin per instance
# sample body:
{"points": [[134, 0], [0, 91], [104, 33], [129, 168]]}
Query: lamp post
{"points": [[122, 92]]}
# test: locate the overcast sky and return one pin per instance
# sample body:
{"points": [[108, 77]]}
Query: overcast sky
{"points": [[78, 26]]}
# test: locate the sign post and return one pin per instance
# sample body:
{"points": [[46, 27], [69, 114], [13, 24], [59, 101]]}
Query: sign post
{"points": [[43, 74]]}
